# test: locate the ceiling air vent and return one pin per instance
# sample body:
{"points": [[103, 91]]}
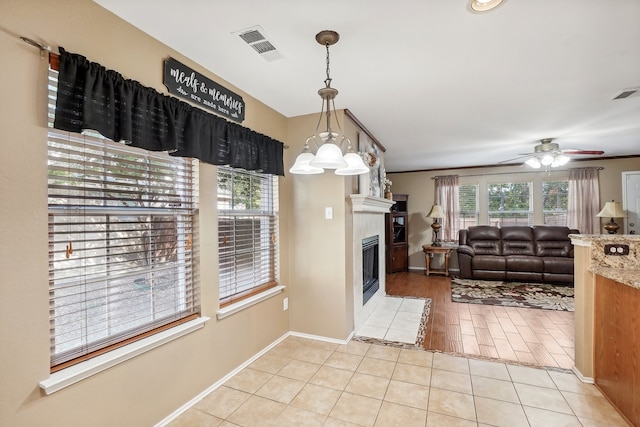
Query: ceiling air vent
{"points": [[257, 39], [628, 93]]}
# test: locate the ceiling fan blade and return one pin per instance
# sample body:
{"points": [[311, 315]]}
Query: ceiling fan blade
{"points": [[515, 158], [591, 152]]}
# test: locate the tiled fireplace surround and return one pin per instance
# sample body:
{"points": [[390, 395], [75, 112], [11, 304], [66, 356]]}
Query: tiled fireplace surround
{"points": [[368, 220]]}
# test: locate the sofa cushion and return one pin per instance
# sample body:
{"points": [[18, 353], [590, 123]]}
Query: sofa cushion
{"points": [[553, 241], [524, 263], [484, 239], [524, 276], [517, 241], [488, 262], [558, 265]]}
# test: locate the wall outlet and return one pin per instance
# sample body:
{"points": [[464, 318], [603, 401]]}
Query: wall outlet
{"points": [[616, 249], [285, 304]]}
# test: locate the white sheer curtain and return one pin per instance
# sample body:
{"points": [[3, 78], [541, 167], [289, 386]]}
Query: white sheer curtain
{"points": [[447, 197], [584, 200]]}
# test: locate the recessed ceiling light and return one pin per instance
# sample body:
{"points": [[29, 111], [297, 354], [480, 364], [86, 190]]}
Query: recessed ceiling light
{"points": [[484, 5]]}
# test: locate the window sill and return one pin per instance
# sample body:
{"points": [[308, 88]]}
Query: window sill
{"points": [[246, 303], [73, 374]]}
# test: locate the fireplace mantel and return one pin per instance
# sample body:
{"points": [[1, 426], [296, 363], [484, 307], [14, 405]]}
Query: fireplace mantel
{"points": [[363, 203]]}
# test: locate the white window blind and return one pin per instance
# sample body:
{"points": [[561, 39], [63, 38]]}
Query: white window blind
{"points": [[555, 199], [510, 204], [247, 232], [468, 203], [120, 241]]}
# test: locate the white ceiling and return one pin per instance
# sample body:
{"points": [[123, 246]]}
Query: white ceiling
{"points": [[437, 85]]}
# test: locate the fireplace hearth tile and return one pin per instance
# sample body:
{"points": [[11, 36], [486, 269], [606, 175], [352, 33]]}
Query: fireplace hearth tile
{"points": [[396, 321]]}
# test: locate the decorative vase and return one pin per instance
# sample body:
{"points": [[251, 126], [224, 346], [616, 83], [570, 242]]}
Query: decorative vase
{"points": [[388, 195]]}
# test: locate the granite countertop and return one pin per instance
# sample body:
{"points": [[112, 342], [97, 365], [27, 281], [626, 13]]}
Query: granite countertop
{"points": [[626, 276], [613, 238]]}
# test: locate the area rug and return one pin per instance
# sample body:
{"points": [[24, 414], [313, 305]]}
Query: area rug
{"points": [[419, 338], [513, 294]]}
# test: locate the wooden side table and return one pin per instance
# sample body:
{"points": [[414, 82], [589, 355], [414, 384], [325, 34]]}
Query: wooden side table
{"points": [[429, 252]]}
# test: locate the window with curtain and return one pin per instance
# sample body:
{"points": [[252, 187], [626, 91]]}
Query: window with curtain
{"points": [[584, 200], [247, 233], [468, 202], [120, 242], [510, 204], [446, 190], [555, 201]]}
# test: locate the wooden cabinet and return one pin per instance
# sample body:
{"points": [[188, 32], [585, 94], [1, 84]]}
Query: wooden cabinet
{"points": [[617, 345], [397, 235]]}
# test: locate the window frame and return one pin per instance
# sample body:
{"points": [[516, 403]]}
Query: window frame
{"points": [[111, 188], [259, 249], [556, 211], [463, 215], [499, 216]]}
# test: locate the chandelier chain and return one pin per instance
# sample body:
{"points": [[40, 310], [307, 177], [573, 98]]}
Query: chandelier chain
{"points": [[327, 81]]}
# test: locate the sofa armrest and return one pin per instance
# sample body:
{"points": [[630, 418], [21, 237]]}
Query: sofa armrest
{"points": [[465, 254], [466, 250]]}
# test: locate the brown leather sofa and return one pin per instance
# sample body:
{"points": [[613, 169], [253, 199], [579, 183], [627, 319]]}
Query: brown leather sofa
{"points": [[533, 254]]}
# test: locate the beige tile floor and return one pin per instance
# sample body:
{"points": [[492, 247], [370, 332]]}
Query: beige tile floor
{"points": [[304, 382]]}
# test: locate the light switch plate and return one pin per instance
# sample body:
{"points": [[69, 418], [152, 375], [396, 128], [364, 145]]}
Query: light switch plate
{"points": [[328, 213]]}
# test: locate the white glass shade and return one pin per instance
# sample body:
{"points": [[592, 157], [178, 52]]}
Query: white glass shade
{"points": [[484, 5], [329, 156], [302, 166], [534, 162], [546, 160], [355, 165], [560, 160]]}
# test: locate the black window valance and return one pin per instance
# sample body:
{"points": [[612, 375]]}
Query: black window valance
{"points": [[92, 97]]}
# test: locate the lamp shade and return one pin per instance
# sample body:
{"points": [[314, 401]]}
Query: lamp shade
{"points": [[560, 160], [329, 156], [612, 210], [534, 162], [302, 166], [355, 165], [436, 212], [484, 5]]}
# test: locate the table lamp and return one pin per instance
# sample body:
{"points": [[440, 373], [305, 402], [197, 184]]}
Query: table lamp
{"points": [[437, 214], [612, 210]]}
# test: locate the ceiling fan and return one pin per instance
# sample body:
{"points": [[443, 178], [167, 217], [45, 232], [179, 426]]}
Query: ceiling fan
{"points": [[549, 154]]}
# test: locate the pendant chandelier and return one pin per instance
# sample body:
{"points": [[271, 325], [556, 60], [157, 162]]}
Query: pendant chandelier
{"points": [[328, 143]]}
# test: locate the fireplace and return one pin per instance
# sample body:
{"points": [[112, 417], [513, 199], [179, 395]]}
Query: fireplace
{"points": [[370, 263]]}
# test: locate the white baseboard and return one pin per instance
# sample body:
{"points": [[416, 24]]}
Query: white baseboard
{"points": [[587, 380], [182, 409], [175, 414]]}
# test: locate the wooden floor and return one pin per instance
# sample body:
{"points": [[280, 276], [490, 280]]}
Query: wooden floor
{"points": [[524, 335]]}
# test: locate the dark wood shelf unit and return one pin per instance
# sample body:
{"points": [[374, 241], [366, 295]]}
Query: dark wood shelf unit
{"points": [[397, 235]]}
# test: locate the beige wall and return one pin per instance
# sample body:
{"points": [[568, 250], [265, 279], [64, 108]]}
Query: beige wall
{"points": [[149, 387], [420, 188], [320, 274]]}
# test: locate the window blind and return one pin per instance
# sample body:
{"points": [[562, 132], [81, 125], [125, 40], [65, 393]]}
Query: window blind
{"points": [[468, 202], [247, 232], [510, 204], [555, 199], [120, 241]]}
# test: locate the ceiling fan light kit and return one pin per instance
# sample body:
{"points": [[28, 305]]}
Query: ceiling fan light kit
{"points": [[548, 154]]}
